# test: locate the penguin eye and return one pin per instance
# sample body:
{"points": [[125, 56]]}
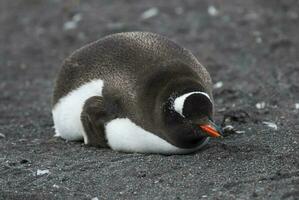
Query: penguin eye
{"points": [[197, 106]]}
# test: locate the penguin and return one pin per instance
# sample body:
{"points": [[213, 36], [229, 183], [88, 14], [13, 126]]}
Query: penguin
{"points": [[134, 92]]}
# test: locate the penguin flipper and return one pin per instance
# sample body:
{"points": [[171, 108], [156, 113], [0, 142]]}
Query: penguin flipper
{"points": [[93, 118]]}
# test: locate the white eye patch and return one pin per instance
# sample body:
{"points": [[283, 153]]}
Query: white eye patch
{"points": [[178, 104]]}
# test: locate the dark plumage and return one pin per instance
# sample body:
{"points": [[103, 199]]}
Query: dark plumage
{"points": [[143, 73]]}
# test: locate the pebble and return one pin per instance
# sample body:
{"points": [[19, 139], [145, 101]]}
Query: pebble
{"points": [[42, 172], [271, 125], [152, 12], [240, 132], [297, 106], [258, 40], [2, 135], [260, 105], [218, 85], [73, 23], [212, 10], [228, 128]]}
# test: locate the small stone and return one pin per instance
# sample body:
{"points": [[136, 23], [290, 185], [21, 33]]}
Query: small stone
{"points": [[152, 12], [271, 125], [260, 105], [73, 23], [42, 172], [77, 17], [2, 135], [297, 106], [204, 196], [218, 85], [258, 40], [95, 198], [240, 132], [228, 128], [213, 11], [56, 186], [69, 25]]}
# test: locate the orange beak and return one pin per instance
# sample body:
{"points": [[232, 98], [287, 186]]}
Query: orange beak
{"points": [[210, 130]]}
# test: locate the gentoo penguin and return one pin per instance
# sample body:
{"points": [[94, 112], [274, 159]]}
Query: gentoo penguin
{"points": [[134, 92]]}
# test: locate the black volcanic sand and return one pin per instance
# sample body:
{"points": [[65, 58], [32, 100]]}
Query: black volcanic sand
{"points": [[251, 47]]}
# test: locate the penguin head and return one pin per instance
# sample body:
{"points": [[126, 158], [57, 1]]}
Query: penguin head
{"points": [[197, 108]]}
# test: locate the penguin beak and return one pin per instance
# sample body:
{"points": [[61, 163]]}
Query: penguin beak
{"points": [[211, 129]]}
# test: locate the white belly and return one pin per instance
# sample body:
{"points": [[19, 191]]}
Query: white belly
{"points": [[67, 112], [123, 135]]}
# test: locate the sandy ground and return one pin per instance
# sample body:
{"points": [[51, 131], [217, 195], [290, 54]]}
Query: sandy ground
{"points": [[252, 48]]}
